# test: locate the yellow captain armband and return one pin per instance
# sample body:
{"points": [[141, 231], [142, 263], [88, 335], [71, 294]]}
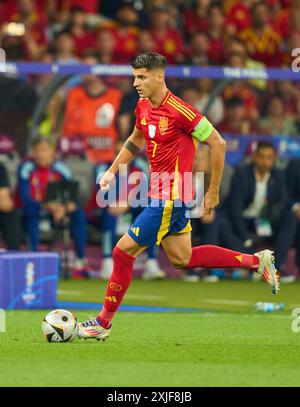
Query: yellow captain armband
{"points": [[202, 130]]}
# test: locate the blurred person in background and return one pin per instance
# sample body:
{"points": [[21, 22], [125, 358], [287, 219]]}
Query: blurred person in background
{"points": [[286, 21], [146, 42], [24, 30], [34, 174], [276, 122], [197, 94], [237, 57], [196, 18], [262, 41], [91, 111], [235, 119], [10, 225], [216, 109], [125, 32], [197, 51], [238, 16], [106, 46], [244, 90], [168, 40], [83, 38], [289, 93], [216, 35], [49, 124], [64, 48]]}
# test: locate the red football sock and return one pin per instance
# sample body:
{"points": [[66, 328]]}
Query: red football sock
{"points": [[117, 285], [209, 256]]}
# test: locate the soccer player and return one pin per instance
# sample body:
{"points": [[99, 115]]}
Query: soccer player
{"points": [[171, 129]]}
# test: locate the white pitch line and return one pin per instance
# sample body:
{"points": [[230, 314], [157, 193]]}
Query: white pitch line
{"points": [[70, 293], [224, 302], [131, 296], [145, 297]]}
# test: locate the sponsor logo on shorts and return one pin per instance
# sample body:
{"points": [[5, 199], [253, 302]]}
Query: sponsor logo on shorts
{"points": [[115, 287]]}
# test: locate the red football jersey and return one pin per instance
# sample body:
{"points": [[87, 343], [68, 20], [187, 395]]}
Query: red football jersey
{"points": [[170, 145]]}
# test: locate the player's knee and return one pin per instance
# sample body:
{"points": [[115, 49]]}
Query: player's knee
{"points": [[179, 263]]}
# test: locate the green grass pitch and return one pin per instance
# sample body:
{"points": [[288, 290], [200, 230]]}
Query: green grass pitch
{"points": [[225, 343]]}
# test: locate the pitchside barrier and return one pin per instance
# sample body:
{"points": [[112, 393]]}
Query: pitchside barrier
{"points": [[28, 280]]}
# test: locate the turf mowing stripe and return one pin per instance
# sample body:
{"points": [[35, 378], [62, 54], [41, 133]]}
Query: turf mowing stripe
{"points": [[127, 308]]}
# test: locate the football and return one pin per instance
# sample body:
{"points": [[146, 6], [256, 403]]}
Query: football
{"points": [[60, 326]]}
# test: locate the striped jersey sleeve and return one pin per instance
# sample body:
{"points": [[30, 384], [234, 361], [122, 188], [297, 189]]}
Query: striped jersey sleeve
{"points": [[191, 120]]}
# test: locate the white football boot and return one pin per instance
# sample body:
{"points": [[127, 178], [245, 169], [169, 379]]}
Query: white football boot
{"points": [[267, 270], [91, 329]]}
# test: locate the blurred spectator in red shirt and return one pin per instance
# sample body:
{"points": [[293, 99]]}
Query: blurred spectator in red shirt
{"points": [[238, 16], [125, 33], [237, 57], [64, 48], [196, 17], [28, 34], [198, 50], [168, 41], [287, 21], [235, 120], [290, 96], [262, 41], [89, 6], [83, 38], [216, 34], [146, 42], [105, 46]]}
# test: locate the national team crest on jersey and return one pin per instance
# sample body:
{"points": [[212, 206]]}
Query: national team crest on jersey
{"points": [[151, 130], [163, 124]]}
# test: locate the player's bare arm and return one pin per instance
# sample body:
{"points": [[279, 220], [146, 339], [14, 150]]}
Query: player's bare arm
{"points": [[132, 145], [217, 147]]}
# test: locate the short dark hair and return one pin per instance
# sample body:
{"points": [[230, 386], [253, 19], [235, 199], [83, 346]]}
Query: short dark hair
{"points": [[38, 139], [150, 61], [265, 144]]}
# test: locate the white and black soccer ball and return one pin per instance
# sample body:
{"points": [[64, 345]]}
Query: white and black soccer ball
{"points": [[60, 325]]}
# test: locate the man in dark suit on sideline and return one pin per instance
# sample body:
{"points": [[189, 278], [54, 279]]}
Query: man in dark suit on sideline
{"points": [[293, 190], [258, 208]]}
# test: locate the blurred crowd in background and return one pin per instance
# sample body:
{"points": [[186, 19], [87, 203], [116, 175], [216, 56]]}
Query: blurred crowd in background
{"points": [[89, 116]]}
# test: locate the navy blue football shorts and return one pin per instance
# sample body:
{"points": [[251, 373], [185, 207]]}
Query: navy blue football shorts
{"points": [[159, 219]]}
